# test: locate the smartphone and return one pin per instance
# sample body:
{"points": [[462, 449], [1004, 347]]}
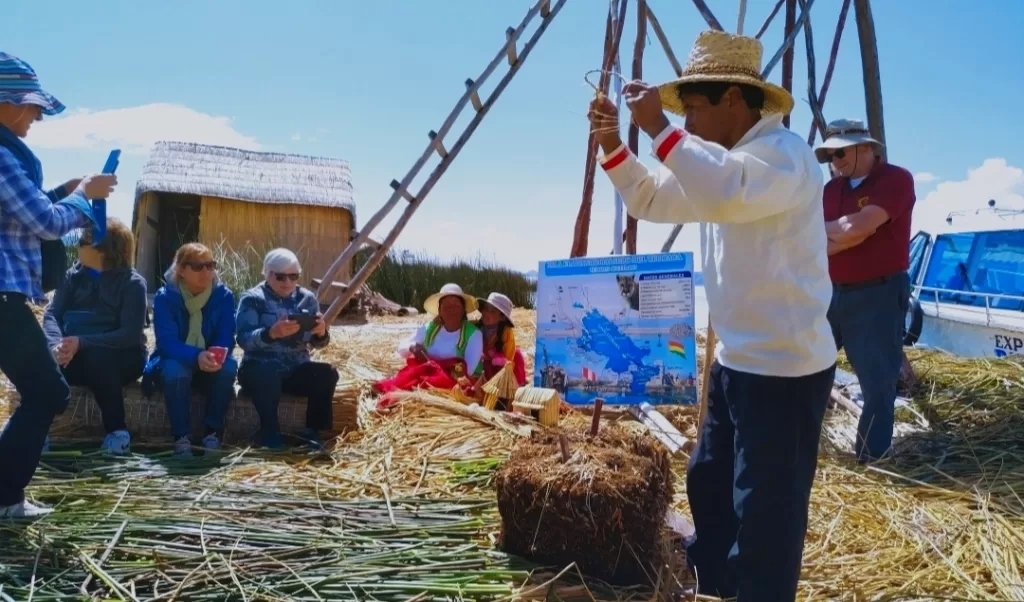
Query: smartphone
{"points": [[306, 321], [99, 206]]}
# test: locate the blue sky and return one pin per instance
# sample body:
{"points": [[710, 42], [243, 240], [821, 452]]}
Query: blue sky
{"points": [[366, 81]]}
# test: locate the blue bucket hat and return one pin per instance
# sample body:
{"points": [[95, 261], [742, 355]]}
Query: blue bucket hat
{"points": [[19, 85]]}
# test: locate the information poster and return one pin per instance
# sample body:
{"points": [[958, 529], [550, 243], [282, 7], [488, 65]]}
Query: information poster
{"points": [[619, 327]]}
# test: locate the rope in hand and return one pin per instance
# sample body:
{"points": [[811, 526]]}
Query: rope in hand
{"points": [[599, 94]]}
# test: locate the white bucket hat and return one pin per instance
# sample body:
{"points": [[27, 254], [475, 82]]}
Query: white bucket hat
{"points": [[499, 302], [449, 290], [842, 133]]}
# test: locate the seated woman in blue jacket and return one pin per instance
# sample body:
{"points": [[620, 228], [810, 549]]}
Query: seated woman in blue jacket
{"points": [[94, 325], [194, 327], [277, 349]]}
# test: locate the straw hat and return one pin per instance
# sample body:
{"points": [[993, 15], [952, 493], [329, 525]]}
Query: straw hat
{"points": [[499, 302], [449, 290], [718, 56], [19, 85], [842, 133]]}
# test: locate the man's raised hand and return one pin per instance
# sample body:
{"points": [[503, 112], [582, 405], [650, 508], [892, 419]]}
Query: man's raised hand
{"points": [[644, 102], [604, 123]]}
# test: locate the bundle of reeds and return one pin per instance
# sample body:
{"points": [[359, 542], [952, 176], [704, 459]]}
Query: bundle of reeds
{"points": [[597, 501]]}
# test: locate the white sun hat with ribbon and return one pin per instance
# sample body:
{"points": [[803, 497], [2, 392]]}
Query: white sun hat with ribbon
{"points": [[433, 302], [499, 302], [718, 56]]}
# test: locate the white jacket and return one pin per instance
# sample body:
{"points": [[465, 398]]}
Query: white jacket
{"points": [[765, 255]]}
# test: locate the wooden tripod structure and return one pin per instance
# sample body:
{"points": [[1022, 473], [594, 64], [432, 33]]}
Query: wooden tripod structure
{"points": [[815, 98], [540, 16]]}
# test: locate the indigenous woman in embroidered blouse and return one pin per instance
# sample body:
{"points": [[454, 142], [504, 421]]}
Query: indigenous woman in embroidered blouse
{"points": [[443, 351], [499, 338]]}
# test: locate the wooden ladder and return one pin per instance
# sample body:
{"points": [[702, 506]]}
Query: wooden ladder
{"points": [[547, 9]]}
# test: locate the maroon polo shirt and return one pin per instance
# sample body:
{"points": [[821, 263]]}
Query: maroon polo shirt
{"points": [[887, 251]]}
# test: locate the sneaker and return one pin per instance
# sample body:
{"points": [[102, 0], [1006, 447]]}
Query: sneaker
{"points": [[211, 442], [117, 443], [25, 509], [183, 447]]}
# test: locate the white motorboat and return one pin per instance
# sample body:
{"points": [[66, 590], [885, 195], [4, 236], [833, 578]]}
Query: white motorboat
{"points": [[968, 285]]}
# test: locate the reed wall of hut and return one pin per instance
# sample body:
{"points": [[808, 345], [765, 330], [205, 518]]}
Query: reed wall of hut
{"points": [[242, 203]]}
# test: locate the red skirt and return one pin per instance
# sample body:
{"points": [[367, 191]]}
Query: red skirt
{"points": [[439, 374], [492, 364]]}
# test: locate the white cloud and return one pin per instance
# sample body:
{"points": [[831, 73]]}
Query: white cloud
{"points": [[924, 177], [135, 129], [994, 180], [296, 137]]}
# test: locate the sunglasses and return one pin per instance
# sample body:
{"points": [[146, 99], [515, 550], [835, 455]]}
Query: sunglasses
{"points": [[838, 154], [199, 266], [284, 277]]}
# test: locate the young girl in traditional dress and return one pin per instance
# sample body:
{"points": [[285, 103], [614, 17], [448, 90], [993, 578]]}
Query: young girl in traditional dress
{"points": [[499, 338]]}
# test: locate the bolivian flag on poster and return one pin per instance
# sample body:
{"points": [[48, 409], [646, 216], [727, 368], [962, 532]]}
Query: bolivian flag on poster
{"points": [[677, 348]]}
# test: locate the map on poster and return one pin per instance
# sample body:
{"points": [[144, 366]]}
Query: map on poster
{"points": [[619, 327]]}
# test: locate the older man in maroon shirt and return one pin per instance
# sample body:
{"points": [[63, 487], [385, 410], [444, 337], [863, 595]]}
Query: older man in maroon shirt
{"points": [[868, 209]]}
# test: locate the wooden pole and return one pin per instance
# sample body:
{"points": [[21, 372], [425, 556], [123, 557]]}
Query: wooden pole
{"points": [[768, 21], [705, 376], [833, 55], [634, 129], [613, 34], [705, 12], [787, 58], [812, 70], [872, 73]]}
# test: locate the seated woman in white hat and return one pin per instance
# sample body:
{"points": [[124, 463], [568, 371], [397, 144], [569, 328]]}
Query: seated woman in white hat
{"points": [[499, 337], [443, 351]]}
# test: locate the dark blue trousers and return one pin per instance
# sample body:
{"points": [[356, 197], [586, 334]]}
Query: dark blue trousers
{"points": [[749, 482], [868, 320], [26, 360]]}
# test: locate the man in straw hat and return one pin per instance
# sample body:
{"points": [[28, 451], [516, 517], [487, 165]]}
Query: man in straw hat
{"points": [[28, 215], [868, 210], [756, 189]]}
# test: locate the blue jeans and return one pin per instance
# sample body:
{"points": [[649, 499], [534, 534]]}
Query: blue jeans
{"points": [[179, 381], [868, 320], [26, 360], [749, 482]]}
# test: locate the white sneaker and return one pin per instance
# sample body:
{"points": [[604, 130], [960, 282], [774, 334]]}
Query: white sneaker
{"points": [[117, 443], [25, 509], [183, 447], [211, 442]]}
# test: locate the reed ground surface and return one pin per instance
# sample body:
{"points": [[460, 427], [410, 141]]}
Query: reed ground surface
{"points": [[405, 508]]}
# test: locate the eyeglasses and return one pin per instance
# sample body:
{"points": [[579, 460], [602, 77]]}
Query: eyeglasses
{"points": [[283, 277], [839, 153], [199, 266]]}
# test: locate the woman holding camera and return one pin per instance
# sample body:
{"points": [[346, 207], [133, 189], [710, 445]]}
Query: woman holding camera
{"points": [[278, 323]]}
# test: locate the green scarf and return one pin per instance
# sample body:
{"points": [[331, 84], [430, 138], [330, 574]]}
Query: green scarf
{"points": [[194, 305]]}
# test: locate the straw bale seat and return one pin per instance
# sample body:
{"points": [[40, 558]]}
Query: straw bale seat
{"points": [[604, 508], [147, 418]]}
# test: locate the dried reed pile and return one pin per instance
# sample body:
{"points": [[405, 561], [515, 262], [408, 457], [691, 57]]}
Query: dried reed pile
{"points": [[603, 507]]}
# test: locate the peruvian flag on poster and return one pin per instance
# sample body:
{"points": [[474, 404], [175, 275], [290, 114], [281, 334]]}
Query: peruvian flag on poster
{"points": [[589, 374]]}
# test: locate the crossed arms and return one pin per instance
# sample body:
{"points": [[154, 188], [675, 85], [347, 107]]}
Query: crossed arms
{"points": [[851, 230]]}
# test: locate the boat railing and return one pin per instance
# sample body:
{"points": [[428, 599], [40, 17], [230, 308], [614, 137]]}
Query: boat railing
{"points": [[934, 292]]}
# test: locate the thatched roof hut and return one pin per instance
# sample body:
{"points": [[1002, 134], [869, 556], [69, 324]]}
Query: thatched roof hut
{"points": [[246, 201]]}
